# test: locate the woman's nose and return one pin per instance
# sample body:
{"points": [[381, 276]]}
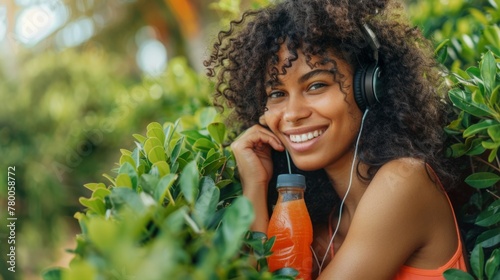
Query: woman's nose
{"points": [[296, 109]]}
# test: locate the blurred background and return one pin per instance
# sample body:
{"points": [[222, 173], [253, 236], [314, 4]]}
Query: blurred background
{"points": [[79, 77]]}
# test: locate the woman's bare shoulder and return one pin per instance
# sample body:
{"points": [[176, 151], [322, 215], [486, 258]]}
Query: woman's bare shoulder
{"points": [[404, 190], [408, 175]]}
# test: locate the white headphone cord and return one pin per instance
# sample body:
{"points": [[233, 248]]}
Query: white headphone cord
{"points": [[344, 198]]}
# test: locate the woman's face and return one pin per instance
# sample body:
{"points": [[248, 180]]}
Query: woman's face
{"points": [[314, 119]]}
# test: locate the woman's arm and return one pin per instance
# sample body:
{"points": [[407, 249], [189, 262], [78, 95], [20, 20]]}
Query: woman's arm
{"points": [[252, 151]]}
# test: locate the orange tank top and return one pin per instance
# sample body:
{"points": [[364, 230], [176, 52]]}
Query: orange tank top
{"points": [[456, 261]]}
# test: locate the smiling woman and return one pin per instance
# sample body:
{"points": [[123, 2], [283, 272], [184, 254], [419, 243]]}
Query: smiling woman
{"points": [[344, 87]]}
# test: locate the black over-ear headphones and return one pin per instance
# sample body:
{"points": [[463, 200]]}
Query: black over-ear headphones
{"points": [[366, 87]]}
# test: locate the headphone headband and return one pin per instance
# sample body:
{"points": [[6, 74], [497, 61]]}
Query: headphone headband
{"points": [[372, 40]]}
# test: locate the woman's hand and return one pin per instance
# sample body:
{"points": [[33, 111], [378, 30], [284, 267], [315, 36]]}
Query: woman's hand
{"points": [[252, 151]]}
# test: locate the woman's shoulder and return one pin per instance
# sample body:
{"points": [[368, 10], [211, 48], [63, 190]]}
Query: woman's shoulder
{"points": [[406, 186], [408, 173]]}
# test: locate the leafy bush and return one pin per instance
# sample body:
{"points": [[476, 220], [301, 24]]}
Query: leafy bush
{"points": [[469, 46], [174, 210], [469, 27], [477, 132], [68, 114]]}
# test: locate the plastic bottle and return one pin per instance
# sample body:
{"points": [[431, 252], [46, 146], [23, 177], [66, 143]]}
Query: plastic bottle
{"points": [[291, 224]]}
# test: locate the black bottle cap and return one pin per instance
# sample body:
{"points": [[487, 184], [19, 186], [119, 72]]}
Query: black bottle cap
{"points": [[291, 180]]}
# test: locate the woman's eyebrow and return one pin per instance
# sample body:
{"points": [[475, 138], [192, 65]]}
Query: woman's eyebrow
{"points": [[273, 83], [313, 73]]}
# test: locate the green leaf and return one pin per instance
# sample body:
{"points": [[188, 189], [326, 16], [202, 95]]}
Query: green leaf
{"points": [[123, 180], [163, 188], [489, 238], [495, 97], [463, 100], [156, 133], [127, 158], [169, 130], [478, 127], [101, 193], [206, 116], [493, 154], [52, 274], [490, 216], [285, 273], [481, 180], [128, 169], [222, 183], [490, 145], [477, 261], [479, 100], [94, 186], [136, 156], [493, 264], [148, 183], [476, 147], [479, 16], [109, 178], [139, 138], [457, 274], [488, 71], [218, 132], [235, 224], [163, 168], [494, 132], [441, 51], [457, 150], [204, 145], [177, 149], [157, 154], [189, 182], [213, 166], [475, 73], [152, 143], [94, 204], [456, 125], [129, 197], [192, 136], [125, 152], [206, 204], [81, 269]]}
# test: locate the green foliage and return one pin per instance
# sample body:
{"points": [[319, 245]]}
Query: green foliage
{"points": [[473, 42], [173, 210], [477, 133], [469, 28], [68, 114]]}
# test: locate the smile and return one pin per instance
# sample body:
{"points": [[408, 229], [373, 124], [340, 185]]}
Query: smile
{"points": [[299, 138]]}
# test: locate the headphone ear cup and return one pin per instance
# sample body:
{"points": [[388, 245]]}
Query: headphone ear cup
{"points": [[366, 91], [359, 89]]}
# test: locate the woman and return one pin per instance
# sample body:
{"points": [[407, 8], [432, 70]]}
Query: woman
{"points": [[351, 91]]}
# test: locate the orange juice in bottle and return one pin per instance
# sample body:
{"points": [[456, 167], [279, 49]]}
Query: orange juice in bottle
{"points": [[291, 224]]}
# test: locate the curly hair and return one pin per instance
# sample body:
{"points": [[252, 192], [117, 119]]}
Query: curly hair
{"points": [[407, 123]]}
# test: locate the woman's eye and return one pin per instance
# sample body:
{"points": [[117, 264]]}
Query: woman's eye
{"points": [[275, 94], [316, 86]]}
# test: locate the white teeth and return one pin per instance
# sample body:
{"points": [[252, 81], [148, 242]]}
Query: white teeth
{"points": [[298, 138]]}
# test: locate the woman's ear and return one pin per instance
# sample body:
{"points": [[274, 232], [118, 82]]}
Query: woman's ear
{"points": [[262, 121]]}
